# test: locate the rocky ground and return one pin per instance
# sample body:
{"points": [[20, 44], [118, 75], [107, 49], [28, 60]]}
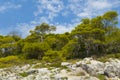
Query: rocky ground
{"points": [[86, 69]]}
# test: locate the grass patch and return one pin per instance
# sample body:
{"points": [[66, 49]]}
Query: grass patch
{"points": [[10, 61], [73, 61], [23, 74], [106, 57], [101, 77], [80, 74]]}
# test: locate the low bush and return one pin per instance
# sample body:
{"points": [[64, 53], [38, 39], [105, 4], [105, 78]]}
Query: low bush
{"points": [[9, 61], [52, 56]]}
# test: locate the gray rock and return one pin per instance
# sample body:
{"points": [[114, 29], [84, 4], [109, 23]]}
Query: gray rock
{"points": [[93, 67], [32, 71], [43, 71], [85, 69], [65, 64], [82, 78], [78, 72], [112, 68]]}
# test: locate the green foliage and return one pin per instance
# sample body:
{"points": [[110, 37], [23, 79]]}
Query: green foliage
{"points": [[35, 50], [8, 46], [98, 37], [110, 20], [71, 50], [91, 34], [44, 28], [41, 30], [101, 77], [9, 61], [108, 56], [8, 49], [15, 35], [24, 74], [52, 56], [57, 41]]}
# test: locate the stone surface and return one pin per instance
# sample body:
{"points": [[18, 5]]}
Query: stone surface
{"points": [[86, 69], [65, 64]]}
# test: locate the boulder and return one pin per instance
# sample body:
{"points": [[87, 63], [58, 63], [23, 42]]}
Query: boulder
{"points": [[93, 67], [112, 68]]}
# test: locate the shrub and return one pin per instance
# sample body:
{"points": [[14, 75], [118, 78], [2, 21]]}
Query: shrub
{"points": [[52, 56], [9, 61], [35, 50]]}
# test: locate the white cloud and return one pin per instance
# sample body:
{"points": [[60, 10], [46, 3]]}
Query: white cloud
{"points": [[83, 14], [99, 4], [48, 10], [90, 8], [49, 7], [6, 6], [24, 28], [61, 28]]}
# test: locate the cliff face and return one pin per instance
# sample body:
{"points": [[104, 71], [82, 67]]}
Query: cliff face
{"points": [[86, 69]]}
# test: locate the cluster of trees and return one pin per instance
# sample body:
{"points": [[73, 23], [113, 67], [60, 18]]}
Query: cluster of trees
{"points": [[92, 37]]}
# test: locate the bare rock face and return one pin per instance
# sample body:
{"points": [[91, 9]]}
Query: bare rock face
{"points": [[112, 68], [65, 64], [93, 67], [86, 69]]}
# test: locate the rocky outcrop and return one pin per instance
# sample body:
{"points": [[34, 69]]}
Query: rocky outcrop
{"points": [[86, 69], [112, 68], [93, 67]]}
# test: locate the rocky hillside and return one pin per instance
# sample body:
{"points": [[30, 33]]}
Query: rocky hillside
{"points": [[86, 69]]}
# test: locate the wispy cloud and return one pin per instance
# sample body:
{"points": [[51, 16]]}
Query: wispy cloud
{"points": [[49, 7], [99, 5], [90, 8], [61, 28], [24, 28], [6, 6], [49, 10], [79, 8]]}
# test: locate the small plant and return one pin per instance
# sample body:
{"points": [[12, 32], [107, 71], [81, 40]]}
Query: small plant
{"points": [[80, 74], [57, 64], [37, 66], [102, 59], [101, 77], [24, 74], [64, 67]]}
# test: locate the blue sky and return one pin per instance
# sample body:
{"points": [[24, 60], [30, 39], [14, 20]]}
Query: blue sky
{"points": [[24, 15]]}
